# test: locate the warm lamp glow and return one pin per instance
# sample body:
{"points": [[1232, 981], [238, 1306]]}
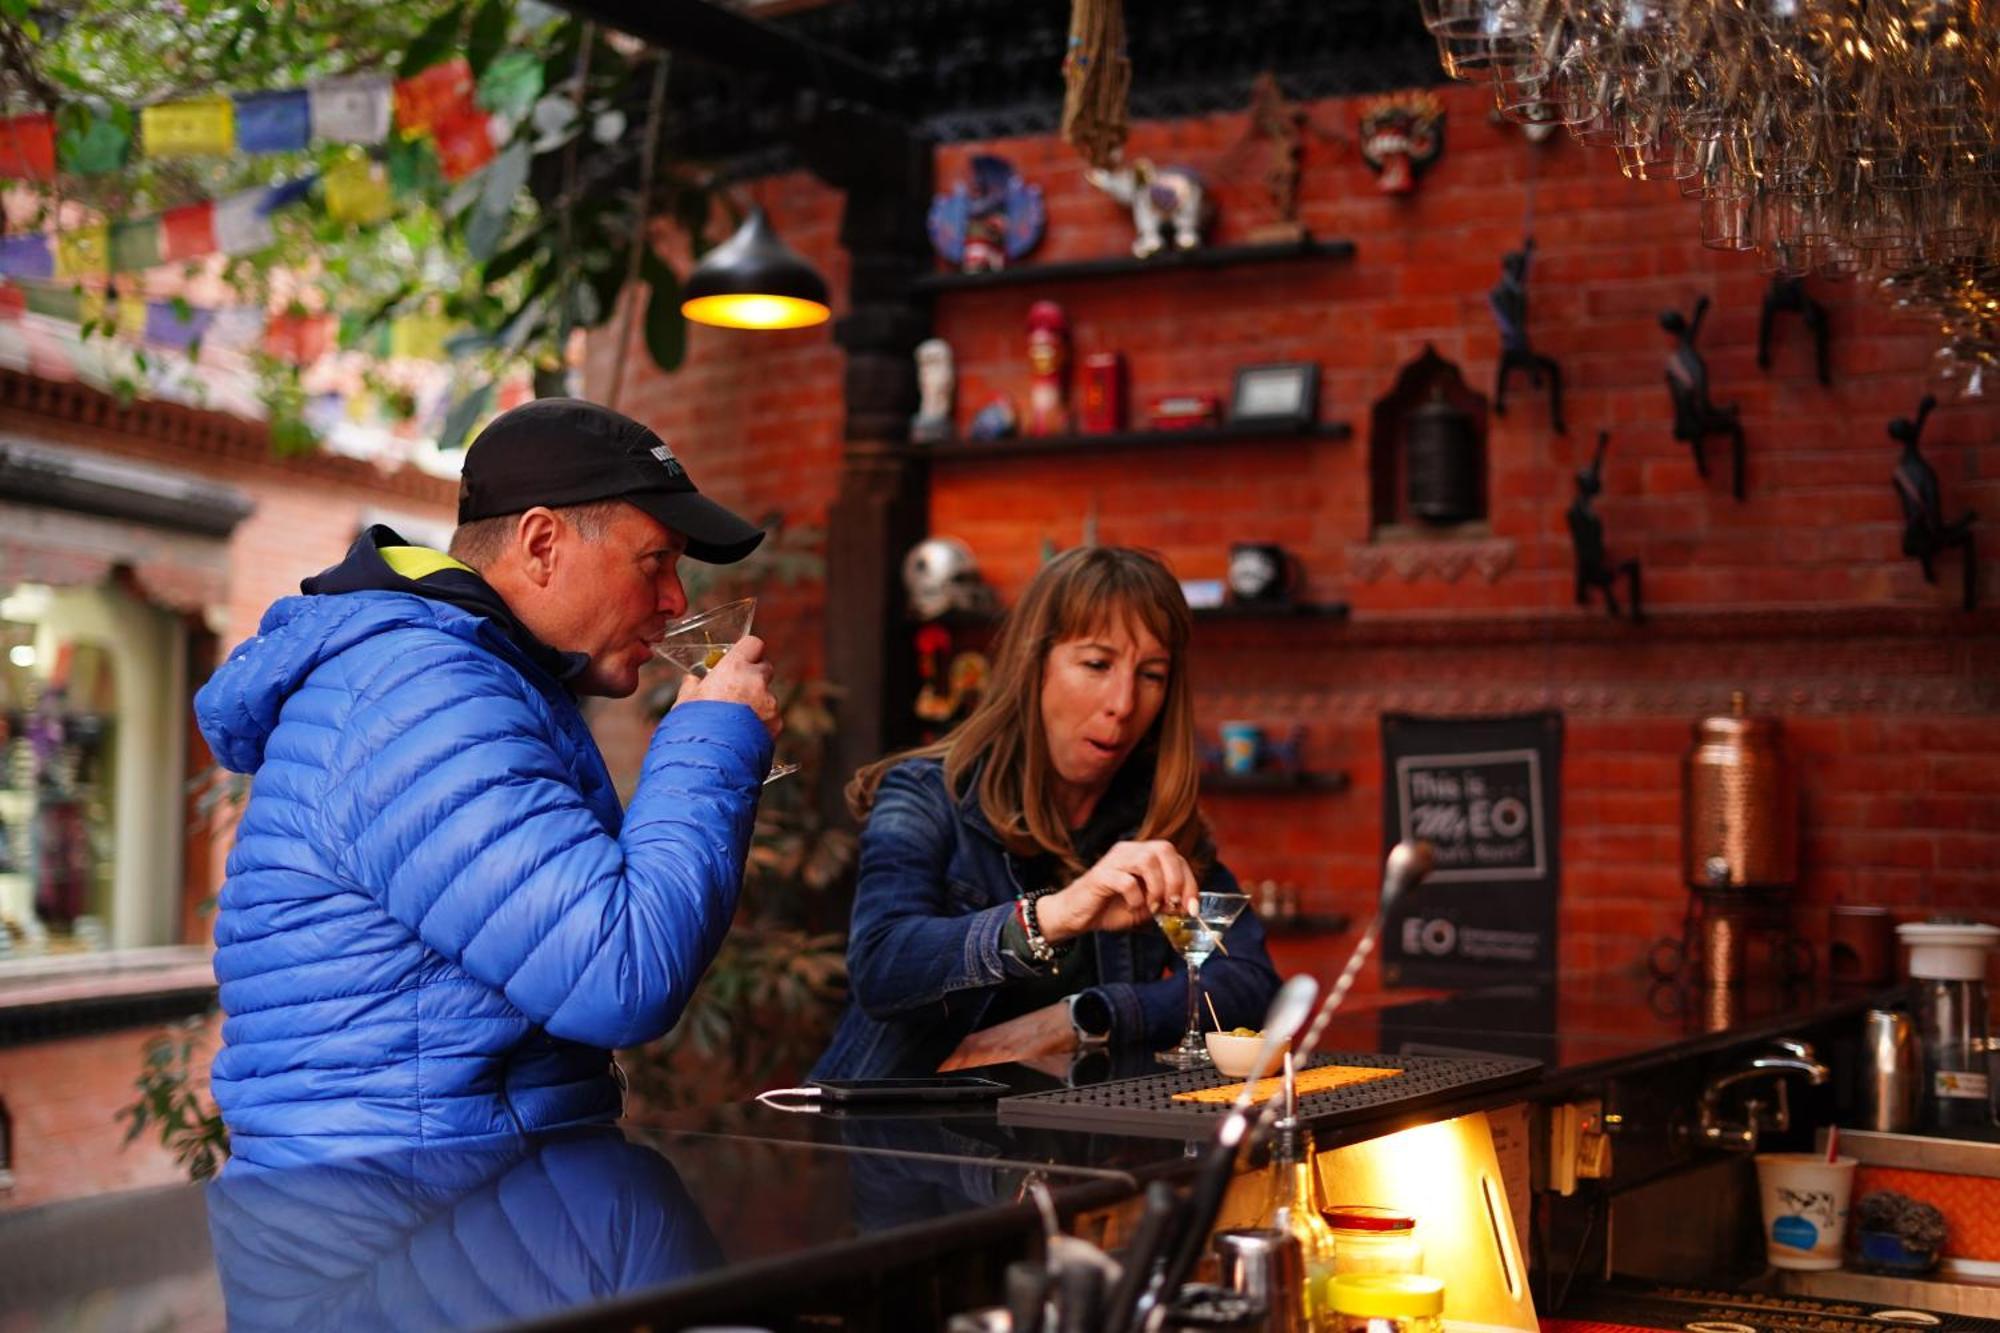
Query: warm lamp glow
{"points": [[751, 311], [754, 280]]}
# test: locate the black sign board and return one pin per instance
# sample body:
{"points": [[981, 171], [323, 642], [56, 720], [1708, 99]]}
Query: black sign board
{"points": [[1484, 792]]}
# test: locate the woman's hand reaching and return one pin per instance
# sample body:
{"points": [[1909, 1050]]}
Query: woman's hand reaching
{"points": [[1123, 890]]}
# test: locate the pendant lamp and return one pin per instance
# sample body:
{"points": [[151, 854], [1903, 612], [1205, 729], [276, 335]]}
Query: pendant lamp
{"points": [[754, 280]]}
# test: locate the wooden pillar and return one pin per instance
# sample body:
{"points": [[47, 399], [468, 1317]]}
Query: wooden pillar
{"points": [[883, 504]]}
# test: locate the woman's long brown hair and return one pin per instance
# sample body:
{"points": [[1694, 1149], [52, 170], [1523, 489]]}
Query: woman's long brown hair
{"points": [[1075, 595]]}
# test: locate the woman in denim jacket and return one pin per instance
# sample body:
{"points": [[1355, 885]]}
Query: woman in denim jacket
{"points": [[1009, 872]]}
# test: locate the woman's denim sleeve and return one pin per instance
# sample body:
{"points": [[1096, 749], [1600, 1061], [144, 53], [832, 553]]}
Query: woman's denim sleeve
{"points": [[1241, 983], [908, 947]]}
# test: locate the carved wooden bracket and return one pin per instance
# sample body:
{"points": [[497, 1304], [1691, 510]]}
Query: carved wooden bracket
{"points": [[1448, 561]]}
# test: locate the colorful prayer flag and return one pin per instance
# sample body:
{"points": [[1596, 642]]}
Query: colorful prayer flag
{"points": [[187, 232], [351, 110], [419, 337], [188, 129], [29, 256], [241, 225], [236, 326], [440, 93], [28, 147], [83, 252], [135, 245], [128, 318], [273, 122], [97, 145], [243, 221], [464, 144], [167, 326], [299, 339], [55, 301], [357, 192], [13, 302]]}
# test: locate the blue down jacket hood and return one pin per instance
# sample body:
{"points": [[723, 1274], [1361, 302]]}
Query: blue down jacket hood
{"points": [[436, 918]]}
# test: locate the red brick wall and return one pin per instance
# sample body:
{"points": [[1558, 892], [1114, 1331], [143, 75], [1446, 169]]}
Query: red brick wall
{"points": [[64, 1096], [1799, 596], [1896, 722]]}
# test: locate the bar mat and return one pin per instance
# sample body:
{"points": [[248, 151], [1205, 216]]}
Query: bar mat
{"points": [[1150, 1106], [1320, 1078]]}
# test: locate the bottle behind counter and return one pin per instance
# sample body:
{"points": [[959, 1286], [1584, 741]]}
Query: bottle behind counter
{"points": [[1294, 1206], [1948, 963]]}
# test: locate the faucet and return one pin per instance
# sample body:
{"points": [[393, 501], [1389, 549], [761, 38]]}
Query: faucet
{"points": [[1789, 1057]]}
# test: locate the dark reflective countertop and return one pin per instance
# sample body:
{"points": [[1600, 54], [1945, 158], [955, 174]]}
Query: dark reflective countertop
{"points": [[686, 1212]]}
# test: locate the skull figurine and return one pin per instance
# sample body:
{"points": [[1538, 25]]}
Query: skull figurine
{"points": [[941, 576]]}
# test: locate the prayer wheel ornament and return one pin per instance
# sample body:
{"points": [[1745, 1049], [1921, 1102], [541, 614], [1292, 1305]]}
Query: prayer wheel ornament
{"points": [[1442, 465]]}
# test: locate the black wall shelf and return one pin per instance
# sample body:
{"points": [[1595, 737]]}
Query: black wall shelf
{"points": [[972, 620], [1273, 611], [1026, 446], [1274, 783], [1167, 261]]}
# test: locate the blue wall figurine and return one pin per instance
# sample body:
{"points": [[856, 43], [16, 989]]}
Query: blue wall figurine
{"points": [[1509, 303], [1696, 415]]}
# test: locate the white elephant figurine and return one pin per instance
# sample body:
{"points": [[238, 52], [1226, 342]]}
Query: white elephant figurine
{"points": [[1157, 196]]}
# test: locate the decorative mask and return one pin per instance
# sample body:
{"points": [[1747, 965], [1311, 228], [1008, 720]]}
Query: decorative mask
{"points": [[988, 221], [941, 575], [1401, 135]]}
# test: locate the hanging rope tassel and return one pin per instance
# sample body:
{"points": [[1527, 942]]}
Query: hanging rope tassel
{"points": [[1097, 76]]}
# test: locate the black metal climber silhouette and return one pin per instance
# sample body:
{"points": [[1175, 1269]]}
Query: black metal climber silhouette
{"points": [[1509, 301], [1789, 296], [1586, 532], [1925, 533], [1696, 415]]}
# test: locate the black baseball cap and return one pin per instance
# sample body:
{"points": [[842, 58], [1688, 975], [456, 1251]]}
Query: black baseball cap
{"points": [[565, 451]]}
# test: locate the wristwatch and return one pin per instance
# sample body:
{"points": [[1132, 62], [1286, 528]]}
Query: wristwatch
{"points": [[1089, 1018]]}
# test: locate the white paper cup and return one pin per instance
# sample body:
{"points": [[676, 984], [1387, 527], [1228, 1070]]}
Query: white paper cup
{"points": [[1805, 1208]]}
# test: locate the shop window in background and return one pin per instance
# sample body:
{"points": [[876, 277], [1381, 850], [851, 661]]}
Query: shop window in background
{"points": [[58, 711]]}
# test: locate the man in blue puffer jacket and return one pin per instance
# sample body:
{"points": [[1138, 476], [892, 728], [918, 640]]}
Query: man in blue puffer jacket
{"points": [[437, 919]]}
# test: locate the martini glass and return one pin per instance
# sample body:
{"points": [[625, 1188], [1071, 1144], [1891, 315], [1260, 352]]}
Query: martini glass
{"points": [[1196, 938], [694, 644]]}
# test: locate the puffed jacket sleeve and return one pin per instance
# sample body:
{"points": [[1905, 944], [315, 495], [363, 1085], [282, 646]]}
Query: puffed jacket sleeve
{"points": [[451, 806], [908, 946]]}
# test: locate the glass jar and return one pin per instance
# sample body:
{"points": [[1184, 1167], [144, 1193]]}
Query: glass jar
{"points": [[1386, 1303], [1373, 1240]]}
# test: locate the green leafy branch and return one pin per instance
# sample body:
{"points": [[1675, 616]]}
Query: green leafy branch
{"points": [[170, 1106]]}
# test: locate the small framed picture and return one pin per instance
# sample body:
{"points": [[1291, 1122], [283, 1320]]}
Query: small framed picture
{"points": [[1285, 394]]}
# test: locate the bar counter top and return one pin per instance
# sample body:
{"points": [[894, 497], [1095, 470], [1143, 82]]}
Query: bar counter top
{"points": [[726, 1212]]}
